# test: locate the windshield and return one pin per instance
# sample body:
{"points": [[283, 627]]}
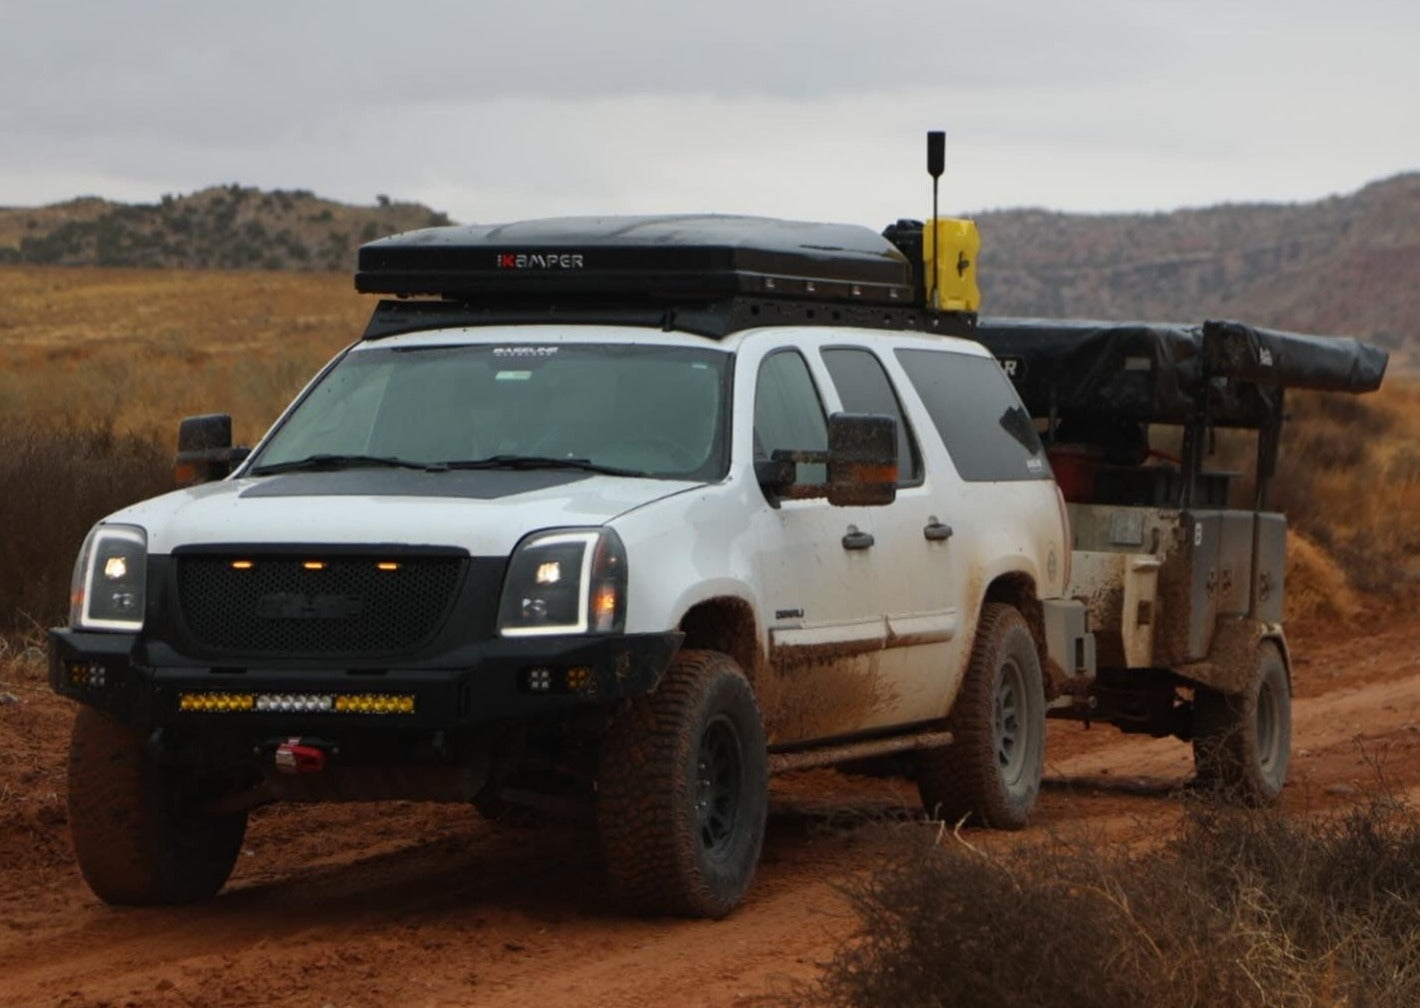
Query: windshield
{"points": [[649, 410]]}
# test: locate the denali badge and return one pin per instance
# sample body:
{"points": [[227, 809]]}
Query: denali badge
{"points": [[290, 605], [540, 260]]}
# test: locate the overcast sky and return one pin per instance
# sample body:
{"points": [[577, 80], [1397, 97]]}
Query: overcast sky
{"points": [[494, 111]]}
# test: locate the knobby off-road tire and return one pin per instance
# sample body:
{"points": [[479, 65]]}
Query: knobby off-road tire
{"points": [[138, 841], [682, 792], [990, 773], [1242, 743]]}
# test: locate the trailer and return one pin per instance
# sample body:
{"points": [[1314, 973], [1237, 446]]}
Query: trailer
{"points": [[1181, 566]]}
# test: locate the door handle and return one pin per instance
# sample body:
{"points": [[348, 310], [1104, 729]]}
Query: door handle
{"points": [[853, 539], [935, 531]]}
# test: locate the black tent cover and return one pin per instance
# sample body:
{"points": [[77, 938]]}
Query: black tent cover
{"points": [[701, 255], [1225, 372]]}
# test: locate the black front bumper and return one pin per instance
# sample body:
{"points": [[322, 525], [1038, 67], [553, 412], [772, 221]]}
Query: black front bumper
{"points": [[495, 680]]}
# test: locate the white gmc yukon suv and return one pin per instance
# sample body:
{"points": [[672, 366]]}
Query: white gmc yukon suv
{"points": [[610, 515]]}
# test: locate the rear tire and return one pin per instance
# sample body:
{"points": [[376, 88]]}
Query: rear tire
{"points": [[138, 838], [990, 773], [1242, 743], [682, 793]]}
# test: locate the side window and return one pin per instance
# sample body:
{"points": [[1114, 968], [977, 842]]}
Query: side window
{"points": [[864, 387], [987, 431], [788, 413]]}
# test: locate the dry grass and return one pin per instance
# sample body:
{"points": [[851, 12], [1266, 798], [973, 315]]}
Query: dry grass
{"points": [[96, 368], [136, 350], [1317, 587], [1237, 908], [1349, 480]]}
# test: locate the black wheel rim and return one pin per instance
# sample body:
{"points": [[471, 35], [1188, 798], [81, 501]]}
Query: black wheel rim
{"points": [[719, 768]]}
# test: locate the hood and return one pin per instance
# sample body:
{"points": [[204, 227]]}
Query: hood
{"points": [[484, 511]]}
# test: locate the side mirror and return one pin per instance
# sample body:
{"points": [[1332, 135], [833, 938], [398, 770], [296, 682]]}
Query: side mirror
{"points": [[205, 452], [862, 460]]}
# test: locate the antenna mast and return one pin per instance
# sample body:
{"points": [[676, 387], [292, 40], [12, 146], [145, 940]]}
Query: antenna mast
{"points": [[936, 164]]}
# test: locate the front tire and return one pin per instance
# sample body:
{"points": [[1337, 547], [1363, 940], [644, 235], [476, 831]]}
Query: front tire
{"points": [[138, 837], [682, 792], [990, 773], [1242, 743]]}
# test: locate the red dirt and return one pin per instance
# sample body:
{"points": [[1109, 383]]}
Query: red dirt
{"points": [[421, 905]]}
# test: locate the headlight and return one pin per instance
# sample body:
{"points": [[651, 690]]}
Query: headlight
{"points": [[107, 592], [565, 581]]}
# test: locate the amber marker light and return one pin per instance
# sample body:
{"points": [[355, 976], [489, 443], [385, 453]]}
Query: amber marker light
{"points": [[242, 565], [387, 565], [314, 565]]}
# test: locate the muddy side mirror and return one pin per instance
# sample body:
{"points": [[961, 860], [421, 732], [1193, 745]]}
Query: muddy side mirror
{"points": [[205, 451], [862, 460]]}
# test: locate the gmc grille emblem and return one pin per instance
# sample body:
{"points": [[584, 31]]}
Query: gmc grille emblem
{"points": [[292, 605]]}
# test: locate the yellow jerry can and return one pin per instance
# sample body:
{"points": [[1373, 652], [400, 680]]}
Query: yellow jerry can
{"points": [[951, 274]]}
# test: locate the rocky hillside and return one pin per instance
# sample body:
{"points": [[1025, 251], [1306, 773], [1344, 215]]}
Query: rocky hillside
{"points": [[1347, 264], [225, 227]]}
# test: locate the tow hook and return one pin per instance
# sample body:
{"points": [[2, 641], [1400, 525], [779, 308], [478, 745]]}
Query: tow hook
{"points": [[302, 755]]}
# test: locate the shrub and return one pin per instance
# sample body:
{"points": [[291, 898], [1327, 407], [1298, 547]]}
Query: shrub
{"points": [[1239, 907], [58, 482]]}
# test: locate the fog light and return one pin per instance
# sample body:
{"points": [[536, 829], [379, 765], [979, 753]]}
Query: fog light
{"points": [[579, 678], [539, 680], [90, 676]]}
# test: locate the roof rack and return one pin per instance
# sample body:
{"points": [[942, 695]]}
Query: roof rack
{"points": [[715, 319]]}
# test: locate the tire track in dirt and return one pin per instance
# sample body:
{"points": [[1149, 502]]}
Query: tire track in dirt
{"points": [[419, 905]]}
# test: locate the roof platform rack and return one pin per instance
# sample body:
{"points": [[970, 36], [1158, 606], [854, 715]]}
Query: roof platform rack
{"points": [[715, 319]]}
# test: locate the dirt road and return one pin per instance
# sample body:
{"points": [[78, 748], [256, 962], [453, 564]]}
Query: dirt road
{"points": [[418, 905]]}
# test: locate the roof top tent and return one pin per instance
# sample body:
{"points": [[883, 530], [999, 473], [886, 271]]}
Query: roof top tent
{"points": [[705, 274], [1110, 378]]}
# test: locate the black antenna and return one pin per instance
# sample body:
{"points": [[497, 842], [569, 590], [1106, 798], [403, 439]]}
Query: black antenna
{"points": [[936, 164]]}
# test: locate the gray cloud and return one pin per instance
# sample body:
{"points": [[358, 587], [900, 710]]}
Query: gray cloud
{"points": [[803, 108]]}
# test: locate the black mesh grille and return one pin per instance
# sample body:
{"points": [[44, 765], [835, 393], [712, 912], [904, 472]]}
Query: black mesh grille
{"points": [[278, 606]]}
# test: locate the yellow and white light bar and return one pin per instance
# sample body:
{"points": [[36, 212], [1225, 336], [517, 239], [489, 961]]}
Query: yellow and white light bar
{"points": [[297, 703]]}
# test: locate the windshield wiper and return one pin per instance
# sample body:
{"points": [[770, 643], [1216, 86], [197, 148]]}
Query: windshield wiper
{"points": [[538, 462], [330, 463]]}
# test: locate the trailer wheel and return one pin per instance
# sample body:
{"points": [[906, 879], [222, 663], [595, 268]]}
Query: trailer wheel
{"points": [[1242, 743], [682, 792], [990, 773], [138, 839]]}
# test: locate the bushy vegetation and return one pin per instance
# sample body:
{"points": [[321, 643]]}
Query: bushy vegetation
{"points": [[58, 481], [224, 227], [1349, 479], [1237, 908]]}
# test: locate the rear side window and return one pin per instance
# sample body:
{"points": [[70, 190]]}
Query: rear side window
{"points": [[988, 434], [864, 387]]}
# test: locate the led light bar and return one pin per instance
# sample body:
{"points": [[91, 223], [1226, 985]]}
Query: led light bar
{"points": [[297, 703]]}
